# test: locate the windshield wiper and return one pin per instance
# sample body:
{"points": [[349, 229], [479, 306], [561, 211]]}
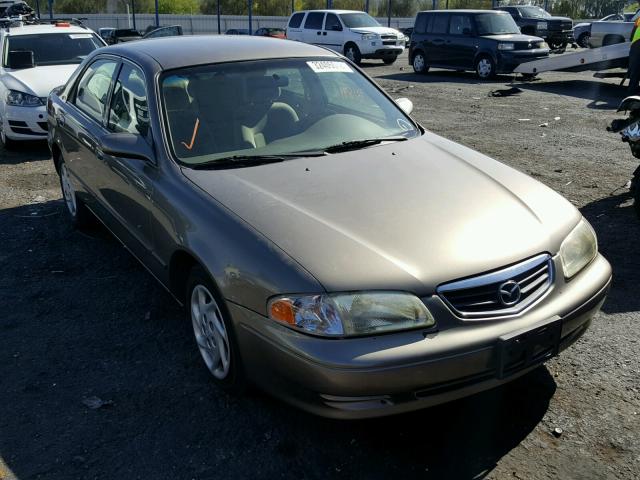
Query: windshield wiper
{"points": [[358, 144], [241, 161]]}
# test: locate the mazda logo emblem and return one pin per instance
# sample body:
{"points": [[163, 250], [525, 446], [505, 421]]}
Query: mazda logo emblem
{"points": [[509, 293]]}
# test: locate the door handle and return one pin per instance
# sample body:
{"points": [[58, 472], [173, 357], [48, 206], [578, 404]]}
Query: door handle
{"points": [[324, 33], [318, 33], [61, 119]]}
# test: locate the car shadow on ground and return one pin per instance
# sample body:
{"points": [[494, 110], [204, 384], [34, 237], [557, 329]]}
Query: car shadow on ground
{"points": [[449, 76], [618, 228], [34, 151], [603, 96], [91, 322]]}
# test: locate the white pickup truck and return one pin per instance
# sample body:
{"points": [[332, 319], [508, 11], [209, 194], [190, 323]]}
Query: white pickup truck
{"points": [[610, 33]]}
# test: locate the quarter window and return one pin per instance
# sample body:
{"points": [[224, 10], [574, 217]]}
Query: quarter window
{"points": [[129, 109], [296, 20], [314, 21], [93, 88]]}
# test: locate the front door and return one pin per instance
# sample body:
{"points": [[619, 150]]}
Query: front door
{"points": [[333, 33], [461, 43]]}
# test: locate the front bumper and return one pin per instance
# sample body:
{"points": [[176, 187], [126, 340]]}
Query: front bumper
{"points": [[25, 123], [508, 60], [376, 49], [394, 373], [559, 36]]}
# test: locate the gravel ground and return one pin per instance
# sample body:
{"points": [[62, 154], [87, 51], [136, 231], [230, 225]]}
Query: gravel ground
{"points": [[81, 319]]}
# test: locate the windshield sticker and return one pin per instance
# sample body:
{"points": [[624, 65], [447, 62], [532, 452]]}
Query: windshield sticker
{"points": [[193, 138], [77, 36], [330, 67]]}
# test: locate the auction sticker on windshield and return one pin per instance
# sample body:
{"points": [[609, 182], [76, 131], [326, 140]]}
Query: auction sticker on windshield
{"points": [[329, 67], [77, 36]]}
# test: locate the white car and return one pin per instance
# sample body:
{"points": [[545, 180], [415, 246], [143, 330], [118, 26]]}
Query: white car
{"points": [[36, 58], [355, 34]]}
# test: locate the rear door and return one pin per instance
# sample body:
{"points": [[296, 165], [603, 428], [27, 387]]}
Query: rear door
{"points": [[438, 29], [82, 124], [313, 28]]}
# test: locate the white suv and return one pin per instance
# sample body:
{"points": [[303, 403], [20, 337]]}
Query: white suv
{"points": [[355, 34], [36, 57]]}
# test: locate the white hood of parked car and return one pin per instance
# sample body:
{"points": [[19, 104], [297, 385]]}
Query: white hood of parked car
{"points": [[38, 81], [378, 30]]}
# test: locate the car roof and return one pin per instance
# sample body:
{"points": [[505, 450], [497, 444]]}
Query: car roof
{"points": [[44, 28], [184, 51], [331, 11]]}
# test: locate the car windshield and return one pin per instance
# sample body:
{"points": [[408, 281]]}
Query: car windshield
{"points": [[534, 12], [274, 107], [56, 48], [358, 20], [496, 24]]}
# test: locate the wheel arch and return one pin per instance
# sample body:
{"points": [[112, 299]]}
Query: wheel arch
{"points": [[56, 154], [612, 39], [180, 266]]}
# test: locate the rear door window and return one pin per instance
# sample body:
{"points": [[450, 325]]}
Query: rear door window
{"points": [[440, 23], [93, 88], [314, 21], [296, 20]]}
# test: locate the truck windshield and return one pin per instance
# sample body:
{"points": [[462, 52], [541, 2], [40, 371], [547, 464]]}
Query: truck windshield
{"points": [[358, 20], [496, 24], [534, 12], [56, 48]]}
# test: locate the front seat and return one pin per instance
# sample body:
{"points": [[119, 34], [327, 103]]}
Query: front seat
{"points": [[267, 119]]}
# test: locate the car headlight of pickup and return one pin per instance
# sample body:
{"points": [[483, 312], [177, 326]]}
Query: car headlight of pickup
{"points": [[369, 36], [543, 45], [542, 25], [578, 249], [506, 46], [351, 314], [20, 99]]}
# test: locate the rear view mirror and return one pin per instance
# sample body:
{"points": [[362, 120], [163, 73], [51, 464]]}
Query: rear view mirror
{"points": [[19, 59], [405, 105], [127, 145]]}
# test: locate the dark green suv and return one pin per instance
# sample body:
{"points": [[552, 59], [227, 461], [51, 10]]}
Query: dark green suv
{"points": [[487, 42]]}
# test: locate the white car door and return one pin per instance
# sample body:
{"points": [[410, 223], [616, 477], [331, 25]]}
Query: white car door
{"points": [[313, 28], [333, 33], [294, 28]]}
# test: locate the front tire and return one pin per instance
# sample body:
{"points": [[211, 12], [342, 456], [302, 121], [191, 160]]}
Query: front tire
{"points": [[419, 63], [352, 52], [78, 212], [583, 40], [7, 143], [213, 332], [389, 60], [485, 67]]}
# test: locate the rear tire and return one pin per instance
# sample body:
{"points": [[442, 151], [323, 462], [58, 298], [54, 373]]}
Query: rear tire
{"points": [[389, 60], [80, 216], [352, 52], [485, 67], [612, 40], [419, 63], [213, 332]]}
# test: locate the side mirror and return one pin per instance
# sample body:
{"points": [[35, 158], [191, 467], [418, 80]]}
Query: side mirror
{"points": [[405, 105], [127, 145], [466, 31], [18, 59], [336, 28]]}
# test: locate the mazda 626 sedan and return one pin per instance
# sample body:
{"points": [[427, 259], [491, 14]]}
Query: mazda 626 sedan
{"points": [[326, 247]]}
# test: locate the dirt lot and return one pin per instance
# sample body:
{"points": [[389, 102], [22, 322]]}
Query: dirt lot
{"points": [[81, 318]]}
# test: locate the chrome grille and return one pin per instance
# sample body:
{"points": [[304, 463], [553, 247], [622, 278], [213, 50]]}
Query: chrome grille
{"points": [[508, 291]]}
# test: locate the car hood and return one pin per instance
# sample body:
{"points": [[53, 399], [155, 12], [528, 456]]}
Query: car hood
{"points": [[513, 37], [563, 19], [378, 30], [401, 216], [38, 81]]}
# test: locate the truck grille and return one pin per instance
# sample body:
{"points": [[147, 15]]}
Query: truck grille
{"points": [[508, 291], [559, 25]]}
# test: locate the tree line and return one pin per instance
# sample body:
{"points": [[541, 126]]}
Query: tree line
{"points": [[399, 8]]}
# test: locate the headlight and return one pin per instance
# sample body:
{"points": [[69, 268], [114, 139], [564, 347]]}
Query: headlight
{"points": [[542, 25], [578, 249], [351, 314], [20, 99], [369, 36], [543, 45], [506, 46]]}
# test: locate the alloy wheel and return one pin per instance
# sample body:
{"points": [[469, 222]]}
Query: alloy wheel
{"points": [[210, 332], [484, 68], [68, 191], [418, 63]]}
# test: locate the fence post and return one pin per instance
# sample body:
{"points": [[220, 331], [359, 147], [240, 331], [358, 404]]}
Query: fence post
{"points": [[250, 13], [389, 13], [218, 10], [366, 6]]}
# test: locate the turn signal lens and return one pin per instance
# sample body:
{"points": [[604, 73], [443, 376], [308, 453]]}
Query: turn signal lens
{"points": [[282, 310]]}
